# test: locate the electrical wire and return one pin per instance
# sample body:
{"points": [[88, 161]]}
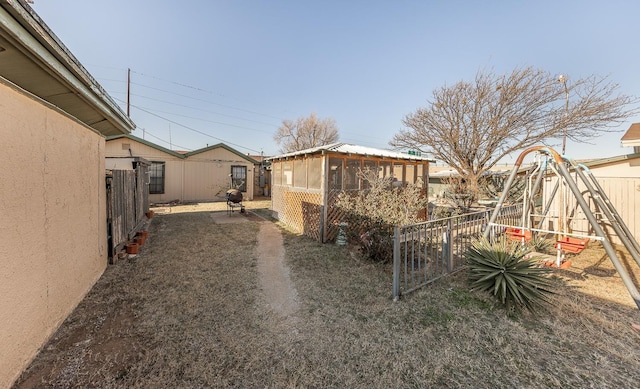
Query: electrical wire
{"points": [[203, 110], [207, 101], [194, 118], [145, 132], [351, 137], [196, 131]]}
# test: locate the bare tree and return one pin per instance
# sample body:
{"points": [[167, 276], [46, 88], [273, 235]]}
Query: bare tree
{"points": [[306, 132], [473, 125]]}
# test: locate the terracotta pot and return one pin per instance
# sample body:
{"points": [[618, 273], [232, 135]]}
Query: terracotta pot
{"points": [[565, 265], [139, 240], [132, 248], [144, 234], [150, 214]]}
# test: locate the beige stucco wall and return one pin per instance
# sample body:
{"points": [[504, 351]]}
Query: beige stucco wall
{"points": [[52, 223], [173, 186], [207, 175]]}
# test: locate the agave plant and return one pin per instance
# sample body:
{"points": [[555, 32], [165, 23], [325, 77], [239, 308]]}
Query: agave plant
{"points": [[540, 244], [503, 269]]}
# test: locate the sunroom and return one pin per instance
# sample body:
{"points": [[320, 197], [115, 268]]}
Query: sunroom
{"points": [[306, 183]]}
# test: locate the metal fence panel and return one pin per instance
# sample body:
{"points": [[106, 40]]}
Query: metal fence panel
{"points": [[425, 252]]}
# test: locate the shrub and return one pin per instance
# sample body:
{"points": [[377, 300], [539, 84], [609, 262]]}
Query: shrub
{"points": [[373, 213], [376, 240], [460, 192], [502, 269]]}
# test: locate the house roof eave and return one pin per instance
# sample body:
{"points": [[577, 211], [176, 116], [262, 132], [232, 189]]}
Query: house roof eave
{"points": [[147, 143], [37, 61], [224, 146]]}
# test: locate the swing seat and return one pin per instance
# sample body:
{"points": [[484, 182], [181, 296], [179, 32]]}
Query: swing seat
{"points": [[572, 245], [518, 234]]}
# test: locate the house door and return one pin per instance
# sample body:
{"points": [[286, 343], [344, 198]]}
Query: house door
{"points": [[239, 178]]}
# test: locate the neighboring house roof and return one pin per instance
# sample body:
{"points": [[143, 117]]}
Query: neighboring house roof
{"points": [[631, 138], [147, 143], [259, 158], [34, 59], [605, 161], [444, 174], [346, 148], [183, 154], [222, 145]]}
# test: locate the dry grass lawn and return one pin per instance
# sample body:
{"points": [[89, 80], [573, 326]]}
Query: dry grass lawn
{"points": [[189, 312]]}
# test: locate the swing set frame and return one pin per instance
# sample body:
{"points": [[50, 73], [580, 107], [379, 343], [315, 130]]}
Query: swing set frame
{"points": [[549, 160]]}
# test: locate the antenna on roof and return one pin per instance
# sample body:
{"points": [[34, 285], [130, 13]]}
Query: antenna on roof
{"points": [[128, 92]]}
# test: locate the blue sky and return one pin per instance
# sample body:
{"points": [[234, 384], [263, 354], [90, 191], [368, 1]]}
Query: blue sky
{"points": [[210, 71]]}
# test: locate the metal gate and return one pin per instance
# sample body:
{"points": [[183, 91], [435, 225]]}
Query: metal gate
{"points": [[427, 251]]}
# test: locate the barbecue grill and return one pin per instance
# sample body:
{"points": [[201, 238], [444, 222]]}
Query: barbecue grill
{"points": [[234, 200]]}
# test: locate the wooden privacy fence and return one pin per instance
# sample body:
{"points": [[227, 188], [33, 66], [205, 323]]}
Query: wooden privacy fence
{"points": [[127, 205], [424, 252]]}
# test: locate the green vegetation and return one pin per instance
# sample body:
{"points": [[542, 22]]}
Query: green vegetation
{"points": [[502, 269]]}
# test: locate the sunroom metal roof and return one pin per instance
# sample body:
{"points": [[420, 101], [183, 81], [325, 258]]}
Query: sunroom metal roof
{"points": [[351, 149]]}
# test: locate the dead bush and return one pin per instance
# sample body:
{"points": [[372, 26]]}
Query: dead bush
{"points": [[372, 214]]}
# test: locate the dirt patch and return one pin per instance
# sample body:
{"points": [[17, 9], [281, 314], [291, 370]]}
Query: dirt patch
{"points": [[279, 292]]}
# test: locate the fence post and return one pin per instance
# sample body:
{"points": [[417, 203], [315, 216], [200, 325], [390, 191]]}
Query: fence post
{"points": [[485, 226], [321, 227], [396, 263], [447, 245]]}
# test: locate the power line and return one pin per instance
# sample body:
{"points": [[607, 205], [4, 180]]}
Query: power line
{"points": [[203, 110], [195, 118], [207, 101], [198, 89], [173, 82], [145, 132], [196, 131], [349, 135]]}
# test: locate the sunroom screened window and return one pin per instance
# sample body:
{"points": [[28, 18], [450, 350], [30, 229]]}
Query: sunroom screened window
{"points": [[410, 174], [370, 169], [287, 173], [335, 173], [277, 173], [299, 174], [314, 167], [385, 169], [351, 174]]}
